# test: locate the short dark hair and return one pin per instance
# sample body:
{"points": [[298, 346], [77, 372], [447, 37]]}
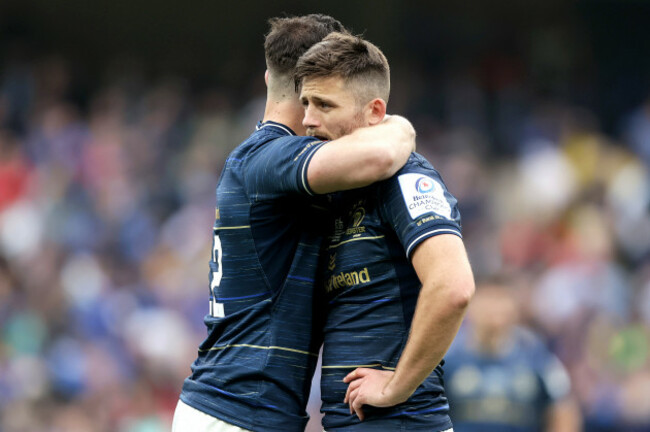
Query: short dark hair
{"points": [[289, 38], [351, 58]]}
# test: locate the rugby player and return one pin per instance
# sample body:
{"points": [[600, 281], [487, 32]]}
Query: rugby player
{"points": [[502, 376], [254, 369], [396, 274]]}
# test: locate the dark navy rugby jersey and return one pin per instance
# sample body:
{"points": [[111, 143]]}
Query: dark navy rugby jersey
{"points": [[372, 288], [506, 392], [254, 368]]}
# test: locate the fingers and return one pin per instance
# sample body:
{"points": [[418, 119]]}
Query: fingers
{"points": [[353, 386], [355, 406], [353, 396], [351, 376], [357, 373]]}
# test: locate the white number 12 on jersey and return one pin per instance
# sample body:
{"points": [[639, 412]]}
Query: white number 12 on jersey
{"points": [[216, 309]]}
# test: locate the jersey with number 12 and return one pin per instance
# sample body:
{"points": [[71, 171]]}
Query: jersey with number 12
{"points": [[253, 369]]}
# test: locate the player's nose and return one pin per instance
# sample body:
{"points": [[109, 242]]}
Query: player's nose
{"points": [[311, 119]]}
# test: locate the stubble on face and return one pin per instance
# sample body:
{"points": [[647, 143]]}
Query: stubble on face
{"points": [[350, 126], [346, 114]]}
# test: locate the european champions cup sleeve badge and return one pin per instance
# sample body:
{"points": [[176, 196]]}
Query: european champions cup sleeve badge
{"points": [[424, 185], [422, 195]]}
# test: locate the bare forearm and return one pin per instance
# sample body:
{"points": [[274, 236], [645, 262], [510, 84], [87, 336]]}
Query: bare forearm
{"points": [[447, 288], [435, 325], [367, 155]]}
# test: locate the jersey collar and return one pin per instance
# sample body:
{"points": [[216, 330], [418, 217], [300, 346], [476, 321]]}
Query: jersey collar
{"points": [[276, 126]]}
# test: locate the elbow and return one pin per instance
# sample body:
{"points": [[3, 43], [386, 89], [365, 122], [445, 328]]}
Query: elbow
{"points": [[461, 295], [395, 153]]}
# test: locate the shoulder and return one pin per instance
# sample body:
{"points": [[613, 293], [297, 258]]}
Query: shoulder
{"points": [[291, 146], [416, 162], [421, 186], [417, 170], [264, 138], [268, 147]]}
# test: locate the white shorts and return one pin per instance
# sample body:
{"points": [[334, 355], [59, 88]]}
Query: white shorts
{"points": [[188, 419]]}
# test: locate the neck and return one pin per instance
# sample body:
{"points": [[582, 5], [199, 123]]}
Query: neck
{"points": [[289, 112]]}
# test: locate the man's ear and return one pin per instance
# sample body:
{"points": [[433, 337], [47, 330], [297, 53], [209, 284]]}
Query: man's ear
{"points": [[375, 111], [266, 77]]}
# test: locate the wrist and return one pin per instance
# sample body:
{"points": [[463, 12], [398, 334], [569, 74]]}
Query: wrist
{"points": [[397, 392]]}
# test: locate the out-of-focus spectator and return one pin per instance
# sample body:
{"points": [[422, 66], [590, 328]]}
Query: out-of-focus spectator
{"points": [[14, 170], [501, 377]]}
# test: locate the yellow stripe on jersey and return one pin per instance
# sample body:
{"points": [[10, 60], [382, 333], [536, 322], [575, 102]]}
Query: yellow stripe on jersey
{"points": [[354, 239], [359, 366], [260, 347]]}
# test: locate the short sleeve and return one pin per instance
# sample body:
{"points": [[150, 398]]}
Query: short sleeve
{"points": [[279, 166], [417, 204]]}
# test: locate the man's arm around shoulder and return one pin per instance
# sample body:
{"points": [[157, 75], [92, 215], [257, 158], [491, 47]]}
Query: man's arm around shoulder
{"points": [[365, 156]]}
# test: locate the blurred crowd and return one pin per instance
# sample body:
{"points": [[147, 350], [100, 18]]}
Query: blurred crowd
{"points": [[106, 208]]}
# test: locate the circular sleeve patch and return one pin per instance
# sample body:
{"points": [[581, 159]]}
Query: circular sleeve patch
{"points": [[422, 195]]}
